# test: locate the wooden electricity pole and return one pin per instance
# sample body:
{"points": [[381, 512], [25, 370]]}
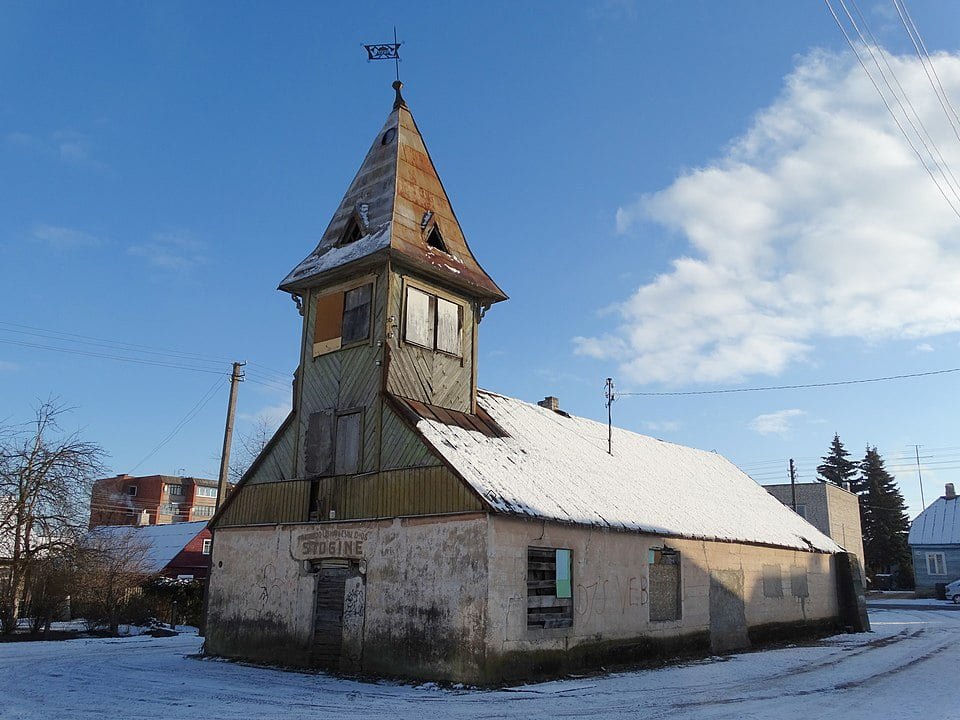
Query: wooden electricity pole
{"points": [[235, 377]]}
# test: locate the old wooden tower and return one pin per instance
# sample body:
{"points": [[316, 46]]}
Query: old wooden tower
{"points": [[403, 522]]}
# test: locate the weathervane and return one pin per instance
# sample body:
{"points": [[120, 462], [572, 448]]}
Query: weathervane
{"points": [[386, 51]]}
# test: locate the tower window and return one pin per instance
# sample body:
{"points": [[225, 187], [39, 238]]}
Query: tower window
{"points": [[435, 239], [433, 322], [342, 318], [352, 233]]}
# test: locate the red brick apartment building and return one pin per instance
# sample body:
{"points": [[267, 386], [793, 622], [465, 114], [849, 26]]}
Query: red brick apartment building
{"points": [[151, 500]]}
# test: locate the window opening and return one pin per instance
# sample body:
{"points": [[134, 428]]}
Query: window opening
{"points": [[352, 233], [342, 318], [207, 545], [664, 581], [549, 587], [435, 240], [798, 582], [175, 489], [772, 582], [132, 490], [347, 460], [356, 314], [936, 564], [433, 322]]}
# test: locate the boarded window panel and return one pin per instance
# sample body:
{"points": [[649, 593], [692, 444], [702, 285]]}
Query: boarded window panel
{"points": [[772, 584], [418, 328], [318, 450], [664, 583], [326, 327], [448, 326], [545, 607], [798, 582], [356, 314], [348, 444]]}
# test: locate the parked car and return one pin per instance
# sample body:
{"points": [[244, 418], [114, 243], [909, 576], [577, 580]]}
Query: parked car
{"points": [[953, 592]]}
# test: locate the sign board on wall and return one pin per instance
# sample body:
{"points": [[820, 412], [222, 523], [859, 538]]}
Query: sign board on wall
{"points": [[330, 543]]}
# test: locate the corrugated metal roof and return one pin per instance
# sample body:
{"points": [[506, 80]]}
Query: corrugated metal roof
{"points": [[163, 542], [391, 195], [939, 524], [550, 465]]}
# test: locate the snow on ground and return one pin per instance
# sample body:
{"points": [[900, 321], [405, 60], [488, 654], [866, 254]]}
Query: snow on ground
{"points": [[899, 670]]}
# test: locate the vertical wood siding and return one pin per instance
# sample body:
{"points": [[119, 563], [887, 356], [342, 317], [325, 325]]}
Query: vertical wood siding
{"points": [[395, 493], [346, 379]]}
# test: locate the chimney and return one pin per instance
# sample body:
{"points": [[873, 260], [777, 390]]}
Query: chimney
{"points": [[948, 492], [846, 486], [550, 403]]}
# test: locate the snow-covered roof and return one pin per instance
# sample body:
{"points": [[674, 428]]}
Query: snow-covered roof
{"points": [[163, 542], [556, 467], [939, 524]]}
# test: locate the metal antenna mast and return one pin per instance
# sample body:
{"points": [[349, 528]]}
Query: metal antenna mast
{"points": [[610, 396], [916, 449]]}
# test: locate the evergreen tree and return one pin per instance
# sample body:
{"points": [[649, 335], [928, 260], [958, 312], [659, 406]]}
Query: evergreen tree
{"points": [[837, 467], [883, 515]]}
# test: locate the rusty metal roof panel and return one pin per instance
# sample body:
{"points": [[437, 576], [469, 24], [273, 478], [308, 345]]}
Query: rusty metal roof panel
{"points": [[396, 197]]}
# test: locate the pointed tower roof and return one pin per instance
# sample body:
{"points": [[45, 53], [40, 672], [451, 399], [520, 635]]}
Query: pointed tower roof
{"points": [[390, 209]]}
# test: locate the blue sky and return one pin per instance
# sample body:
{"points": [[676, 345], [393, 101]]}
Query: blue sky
{"points": [[684, 196]]}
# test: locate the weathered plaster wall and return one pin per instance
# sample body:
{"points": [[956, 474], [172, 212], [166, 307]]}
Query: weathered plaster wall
{"points": [[423, 602], [612, 595]]}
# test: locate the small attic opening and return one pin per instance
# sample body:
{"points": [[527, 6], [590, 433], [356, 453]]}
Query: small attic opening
{"points": [[435, 240], [352, 233]]}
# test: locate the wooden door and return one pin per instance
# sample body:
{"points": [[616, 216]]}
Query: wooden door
{"points": [[328, 617]]}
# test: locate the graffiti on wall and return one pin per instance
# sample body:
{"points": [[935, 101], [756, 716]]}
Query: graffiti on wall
{"points": [[330, 543], [615, 594]]}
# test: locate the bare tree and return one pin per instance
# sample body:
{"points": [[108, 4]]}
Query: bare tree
{"points": [[45, 480], [249, 446], [112, 564]]}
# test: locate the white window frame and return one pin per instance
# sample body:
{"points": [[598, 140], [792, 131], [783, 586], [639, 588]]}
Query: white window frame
{"points": [[132, 490], [932, 567], [206, 547]]}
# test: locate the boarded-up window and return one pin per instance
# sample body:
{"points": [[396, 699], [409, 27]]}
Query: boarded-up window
{"points": [[342, 318], [772, 583], [664, 582], [356, 314], [798, 582], [433, 322], [419, 320], [348, 444], [549, 587], [448, 326], [318, 445]]}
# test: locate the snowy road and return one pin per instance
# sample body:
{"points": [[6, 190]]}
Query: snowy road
{"points": [[900, 670]]}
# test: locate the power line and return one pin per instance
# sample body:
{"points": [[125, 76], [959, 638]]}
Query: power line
{"points": [[192, 413], [793, 387]]}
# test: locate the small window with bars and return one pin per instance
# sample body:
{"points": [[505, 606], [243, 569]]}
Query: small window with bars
{"points": [[549, 588], [664, 582]]}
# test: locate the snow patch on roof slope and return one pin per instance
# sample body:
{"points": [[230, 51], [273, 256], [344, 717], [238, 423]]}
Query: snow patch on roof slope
{"points": [[163, 542], [327, 258], [939, 524], [557, 467]]}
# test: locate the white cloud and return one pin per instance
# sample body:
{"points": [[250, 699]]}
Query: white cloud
{"points": [[171, 251], [67, 144], [819, 222], [775, 423], [661, 425], [270, 415], [64, 238], [924, 348]]}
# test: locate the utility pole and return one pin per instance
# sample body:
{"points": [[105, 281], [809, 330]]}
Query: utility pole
{"points": [[916, 449], [609, 394], [793, 485], [235, 377]]}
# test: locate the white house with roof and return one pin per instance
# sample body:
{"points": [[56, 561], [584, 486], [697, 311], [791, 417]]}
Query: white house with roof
{"points": [[404, 522], [935, 543]]}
